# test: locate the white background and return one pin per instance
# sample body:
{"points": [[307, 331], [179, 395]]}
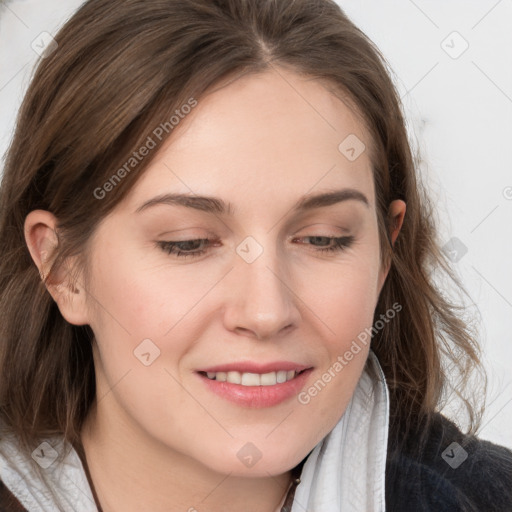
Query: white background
{"points": [[459, 109]]}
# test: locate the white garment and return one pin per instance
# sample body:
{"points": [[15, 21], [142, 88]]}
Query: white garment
{"points": [[345, 472], [66, 475]]}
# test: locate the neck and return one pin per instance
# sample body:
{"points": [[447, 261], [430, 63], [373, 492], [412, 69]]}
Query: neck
{"points": [[125, 468]]}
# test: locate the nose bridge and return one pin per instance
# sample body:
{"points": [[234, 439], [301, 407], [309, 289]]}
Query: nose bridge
{"points": [[263, 302]]}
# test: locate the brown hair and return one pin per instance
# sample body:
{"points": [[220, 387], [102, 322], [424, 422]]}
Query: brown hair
{"points": [[123, 67]]}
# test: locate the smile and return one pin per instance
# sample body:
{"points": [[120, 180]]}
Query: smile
{"points": [[254, 389]]}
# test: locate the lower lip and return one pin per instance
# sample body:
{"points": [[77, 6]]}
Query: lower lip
{"points": [[257, 396]]}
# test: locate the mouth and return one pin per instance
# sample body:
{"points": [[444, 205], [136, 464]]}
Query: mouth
{"points": [[254, 389]]}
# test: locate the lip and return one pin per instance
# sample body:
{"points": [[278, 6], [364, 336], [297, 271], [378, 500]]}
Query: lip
{"points": [[251, 367], [256, 397]]}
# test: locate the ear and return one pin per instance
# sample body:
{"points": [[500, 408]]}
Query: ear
{"points": [[396, 214], [40, 230]]}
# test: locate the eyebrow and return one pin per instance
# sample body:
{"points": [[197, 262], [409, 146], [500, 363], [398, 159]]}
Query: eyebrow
{"points": [[216, 205]]}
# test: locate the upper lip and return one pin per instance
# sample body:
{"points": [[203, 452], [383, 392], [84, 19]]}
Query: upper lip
{"points": [[252, 367]]}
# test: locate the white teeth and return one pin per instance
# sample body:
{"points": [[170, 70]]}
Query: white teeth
{"points": [[281, 376], [234, 377], [250, 379], [268, 379], [253, 379]]}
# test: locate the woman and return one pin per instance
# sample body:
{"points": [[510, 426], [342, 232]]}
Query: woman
{"points": [[216, 277]]}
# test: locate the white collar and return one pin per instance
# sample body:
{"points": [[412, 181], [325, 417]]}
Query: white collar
{"points": [[57, 462], [345, 471]]}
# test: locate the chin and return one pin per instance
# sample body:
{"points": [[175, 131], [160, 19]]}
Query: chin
{"points": [[247, 460]]}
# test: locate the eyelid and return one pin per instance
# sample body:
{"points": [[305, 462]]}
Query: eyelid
{"points": [[344, 230], [203, 233]]}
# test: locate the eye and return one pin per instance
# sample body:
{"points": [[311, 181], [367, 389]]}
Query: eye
{"points": [[196, 247], [186, 248], [333, 243]]}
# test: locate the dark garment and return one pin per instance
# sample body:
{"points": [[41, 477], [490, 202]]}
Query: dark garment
{"points": [[438, 479], [442, 479]]}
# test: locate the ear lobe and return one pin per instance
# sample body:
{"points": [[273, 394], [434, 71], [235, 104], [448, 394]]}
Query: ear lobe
{"points": [[42, 241], [70, 299]]}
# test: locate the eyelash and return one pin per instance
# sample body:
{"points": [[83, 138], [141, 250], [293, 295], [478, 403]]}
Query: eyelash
{"points": [[340, 244]]}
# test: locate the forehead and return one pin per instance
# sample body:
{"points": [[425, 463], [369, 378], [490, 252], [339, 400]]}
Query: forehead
{"points": [[262, 139]]}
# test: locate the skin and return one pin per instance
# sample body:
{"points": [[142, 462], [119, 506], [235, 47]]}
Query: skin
{"points": [[157, 437]]}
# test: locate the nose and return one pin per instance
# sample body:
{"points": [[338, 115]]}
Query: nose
{"points": [[262, 303]]}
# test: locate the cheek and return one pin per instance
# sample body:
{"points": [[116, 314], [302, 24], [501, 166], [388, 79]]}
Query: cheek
{"points": [[348, 305], [345, 303], [347, 317], [146, 308], [139, 297], [344, 296]]}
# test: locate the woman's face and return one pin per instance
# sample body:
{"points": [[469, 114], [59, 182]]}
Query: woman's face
{"points": [[262, 296]]}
